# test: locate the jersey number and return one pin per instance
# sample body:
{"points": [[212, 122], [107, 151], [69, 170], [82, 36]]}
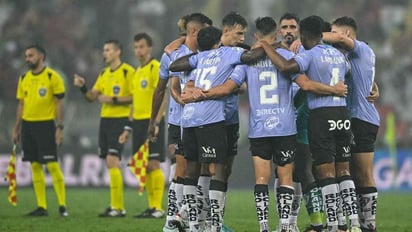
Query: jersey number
{"points": [[265, 98], [334, 80], [202, 77]]}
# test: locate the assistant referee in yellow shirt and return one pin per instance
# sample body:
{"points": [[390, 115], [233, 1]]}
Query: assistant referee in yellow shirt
{"points": [[112, 90], [143, 86]]}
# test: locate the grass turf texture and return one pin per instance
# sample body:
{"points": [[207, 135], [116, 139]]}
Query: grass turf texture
{"points": [[84, 204]]}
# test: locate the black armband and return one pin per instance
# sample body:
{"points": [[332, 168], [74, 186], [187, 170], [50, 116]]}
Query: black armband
{"points": [[59, 96], [60, 126], [84, 89], [115, 100]]}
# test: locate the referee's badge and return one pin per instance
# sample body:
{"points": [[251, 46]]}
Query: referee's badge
{"points": [[143, 83], [42, 92], [116, 89]]}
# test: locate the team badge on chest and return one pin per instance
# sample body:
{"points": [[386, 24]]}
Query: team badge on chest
{"points": [[42, 92], [143, 84], [116, 89]]}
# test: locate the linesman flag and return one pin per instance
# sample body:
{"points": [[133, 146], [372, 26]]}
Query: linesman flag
{"points": [[138, 164], [11, 177]]}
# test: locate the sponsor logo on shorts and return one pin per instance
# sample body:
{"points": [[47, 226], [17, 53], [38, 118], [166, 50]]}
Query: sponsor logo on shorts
{"points": [[287, 155], [208, 152], [339, 125]]}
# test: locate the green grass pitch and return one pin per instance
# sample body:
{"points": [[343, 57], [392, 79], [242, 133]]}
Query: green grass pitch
{"points": [[394, 212]]}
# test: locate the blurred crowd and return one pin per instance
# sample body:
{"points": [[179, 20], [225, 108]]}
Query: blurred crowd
{"points": [[73, 31]]}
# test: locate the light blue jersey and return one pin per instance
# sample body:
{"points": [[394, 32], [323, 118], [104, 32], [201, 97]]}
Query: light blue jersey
{"points": [[164, 75], [175, 109], [327, 65], [270, 98], [232, 109], [212, 68], [362, 60]]}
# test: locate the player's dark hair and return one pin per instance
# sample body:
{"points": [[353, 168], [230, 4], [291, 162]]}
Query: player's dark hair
{"points": [[145, 36], [234, 18], [208, 37], [39, 49], [115, 42], [199, 18], [265, 25], [289, 16], [312, 26], [327, 27], [345, 21]]}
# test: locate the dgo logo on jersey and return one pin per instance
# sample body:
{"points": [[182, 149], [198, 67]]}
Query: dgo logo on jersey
{"points": [[42, 92], [339, 125], [116, 89], [271, 123], [143, 83]]}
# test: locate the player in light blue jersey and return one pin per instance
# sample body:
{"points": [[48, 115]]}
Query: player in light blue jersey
{"points": [[190, 25], [364, 116], [271, 122], [329, 123], [204, 133], [195, 22]]}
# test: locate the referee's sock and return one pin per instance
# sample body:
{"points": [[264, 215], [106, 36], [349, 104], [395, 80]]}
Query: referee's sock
{"points": [[116, 189], [58, 182], [158, 185], [39, 184]]}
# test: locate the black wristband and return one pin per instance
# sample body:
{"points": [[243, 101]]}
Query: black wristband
{"points": [[83, 89], [60, 126], [115, 100], [128, 126]]}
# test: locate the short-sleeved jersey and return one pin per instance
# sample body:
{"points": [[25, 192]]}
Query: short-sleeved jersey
{"points": [[271, 110], [38, 91], [175, 109], [362, 60], [327, 65], [115, 83], [212, 68], [142, 88]]}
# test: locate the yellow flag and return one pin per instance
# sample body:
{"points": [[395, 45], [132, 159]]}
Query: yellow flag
{"points": [[11, 178], [138, 164]]}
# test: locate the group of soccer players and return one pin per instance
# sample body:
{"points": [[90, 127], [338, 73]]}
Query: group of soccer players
{"points": [[317, 71], [336, 126]]}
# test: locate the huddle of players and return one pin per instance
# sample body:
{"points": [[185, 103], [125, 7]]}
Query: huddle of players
{"points": [[204, 104]]}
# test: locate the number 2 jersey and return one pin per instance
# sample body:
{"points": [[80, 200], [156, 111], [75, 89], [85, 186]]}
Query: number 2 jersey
{"points": [[270, 98]]}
